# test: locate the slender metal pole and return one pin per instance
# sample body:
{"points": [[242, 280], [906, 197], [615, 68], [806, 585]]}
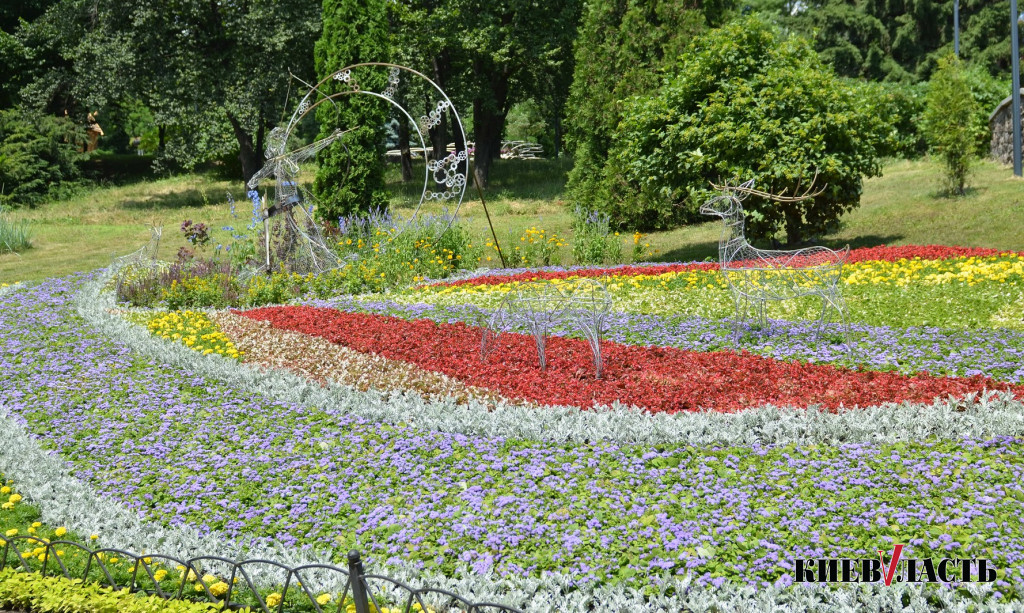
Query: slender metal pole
{"points": [[493, 235], [956, 27], [1015, 57]]}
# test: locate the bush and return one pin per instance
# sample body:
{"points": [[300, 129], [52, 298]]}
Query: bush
{"points": [[746, 103], [620, 51], [987, 92], [900, 106], [37, 156], [949, 122]]}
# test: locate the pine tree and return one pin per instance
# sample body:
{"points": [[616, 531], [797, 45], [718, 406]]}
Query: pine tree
{"points": [[619, 53], [350, 178]]}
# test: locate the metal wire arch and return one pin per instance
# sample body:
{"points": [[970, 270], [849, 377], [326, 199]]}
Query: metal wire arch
{"points": [[305, 107]]}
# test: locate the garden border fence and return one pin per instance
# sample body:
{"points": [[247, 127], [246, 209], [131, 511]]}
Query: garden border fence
{"points": [[370, 593]]}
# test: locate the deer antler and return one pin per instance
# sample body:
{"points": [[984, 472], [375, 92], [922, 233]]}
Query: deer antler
{"points": [[776, 197]]}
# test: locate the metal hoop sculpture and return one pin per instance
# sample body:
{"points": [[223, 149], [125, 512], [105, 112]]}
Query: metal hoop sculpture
{"points": [[755, 276], [444, 180]]}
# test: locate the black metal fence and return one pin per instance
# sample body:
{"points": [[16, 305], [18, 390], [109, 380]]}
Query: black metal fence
{"points": [[234, 584]]}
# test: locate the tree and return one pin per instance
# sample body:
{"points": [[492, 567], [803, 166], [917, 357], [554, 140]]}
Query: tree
{"points": [[949, 122], [745, 103], [37, 155], [621, 51], [214, 73], [896, 40], [510, 51], [351, 177]]}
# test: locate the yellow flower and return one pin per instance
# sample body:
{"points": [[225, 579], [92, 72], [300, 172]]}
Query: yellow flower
{"points": [[209, 579], [5, 490], [94, 537], [219, 589], [273, 599], [160, 575], [60, 531], [14, 498], [12, 532], [323, 599], [31, 530], [37, 524]]}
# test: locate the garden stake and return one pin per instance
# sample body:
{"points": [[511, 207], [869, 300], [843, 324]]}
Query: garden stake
{"points": [[493, 235]]}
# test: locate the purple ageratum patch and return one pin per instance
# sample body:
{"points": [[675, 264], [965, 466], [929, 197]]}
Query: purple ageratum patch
{"points": [[182, 449]]}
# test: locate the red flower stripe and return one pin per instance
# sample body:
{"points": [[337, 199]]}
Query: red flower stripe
{"points": [[655, 378], [888, 254]]}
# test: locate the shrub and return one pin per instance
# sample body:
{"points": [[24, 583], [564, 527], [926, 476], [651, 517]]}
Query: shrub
{"points": [[37, 156], [949, 122], [745, 102], [900, 106]]}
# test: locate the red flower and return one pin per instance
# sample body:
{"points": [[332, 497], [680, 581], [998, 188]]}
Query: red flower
{"points": [[654, 378]]}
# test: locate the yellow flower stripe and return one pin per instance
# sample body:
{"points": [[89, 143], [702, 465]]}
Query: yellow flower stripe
{"points": [[969, 270], [194, 330]]}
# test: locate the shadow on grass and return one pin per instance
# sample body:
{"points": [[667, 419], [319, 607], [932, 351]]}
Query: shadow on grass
{"points": [[868, 240], [542, 179], [183, 199], [118, 169]]}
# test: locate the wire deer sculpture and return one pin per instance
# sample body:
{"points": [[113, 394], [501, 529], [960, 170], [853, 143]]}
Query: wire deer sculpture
{"points": [[755, 276]]}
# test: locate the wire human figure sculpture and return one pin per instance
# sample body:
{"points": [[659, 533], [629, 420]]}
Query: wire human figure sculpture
{"points": [[755, 276], [304, 249], [444, 181], [582, 305]]}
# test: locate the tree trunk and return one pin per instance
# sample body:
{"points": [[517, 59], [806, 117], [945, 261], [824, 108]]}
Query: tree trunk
{"points": [[794, 226], [439, 134], [403, 149], [487, 126], [247, 154], [489, 119], [439, 138], [460, 145], [558, 135], [161, 132]]}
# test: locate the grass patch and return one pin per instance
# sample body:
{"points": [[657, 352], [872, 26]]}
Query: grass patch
{"points": [[904, 206], [15, 236]]}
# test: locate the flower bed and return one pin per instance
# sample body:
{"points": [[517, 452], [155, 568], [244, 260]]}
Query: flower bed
{"points": [[653, 378], [575, 513]]}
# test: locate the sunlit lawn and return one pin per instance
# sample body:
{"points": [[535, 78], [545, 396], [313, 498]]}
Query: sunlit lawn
{"points": [[901, 207]]}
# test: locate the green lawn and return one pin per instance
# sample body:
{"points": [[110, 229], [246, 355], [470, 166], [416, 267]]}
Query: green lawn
{"points": [[901, 207]]}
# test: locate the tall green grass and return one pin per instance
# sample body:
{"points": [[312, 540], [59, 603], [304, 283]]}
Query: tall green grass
{"points": [[15, 236]]}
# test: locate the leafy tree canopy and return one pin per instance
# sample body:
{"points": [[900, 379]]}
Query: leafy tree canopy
{"points": [[744, 103]]}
